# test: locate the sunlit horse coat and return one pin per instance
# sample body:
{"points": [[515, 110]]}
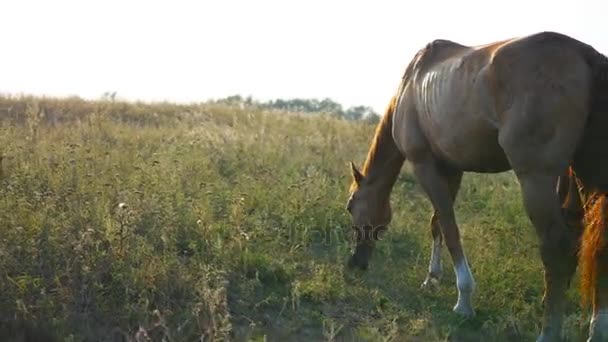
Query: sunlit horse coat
{"points": [[537, 105]]}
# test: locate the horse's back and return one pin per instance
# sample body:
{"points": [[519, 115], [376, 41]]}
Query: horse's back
{"points": [[471, 101], [449, 88], [541, 57]]}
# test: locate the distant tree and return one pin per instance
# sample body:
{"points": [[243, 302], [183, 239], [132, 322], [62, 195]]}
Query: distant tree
{"points": [[306, 105], [109, 96], [301, 105], [372, 119], [233, 100], [355, 113], [358, 112], [329, 106]]}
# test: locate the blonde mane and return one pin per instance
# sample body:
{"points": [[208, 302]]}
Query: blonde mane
{"points": [[382, 133]]}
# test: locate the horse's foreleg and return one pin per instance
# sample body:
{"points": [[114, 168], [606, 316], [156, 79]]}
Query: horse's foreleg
{"points": [[437, 186], [434, 273]]}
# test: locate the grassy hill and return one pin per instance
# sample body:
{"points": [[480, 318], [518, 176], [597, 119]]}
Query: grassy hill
{"points": [[181, 221]]}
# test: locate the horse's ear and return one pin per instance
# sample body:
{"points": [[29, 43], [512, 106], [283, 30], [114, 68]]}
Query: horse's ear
{"points": [[357, 176]]}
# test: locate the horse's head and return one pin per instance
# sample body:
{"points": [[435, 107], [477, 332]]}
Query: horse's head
{"points": [[370, 212]]}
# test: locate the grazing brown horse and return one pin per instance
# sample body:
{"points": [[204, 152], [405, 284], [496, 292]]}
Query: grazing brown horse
{"points": [[537, 105]]}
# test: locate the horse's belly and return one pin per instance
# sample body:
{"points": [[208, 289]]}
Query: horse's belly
{"points": [[469, 143], [475, 155]]}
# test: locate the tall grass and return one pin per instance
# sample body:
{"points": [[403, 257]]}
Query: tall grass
{"points": [[181, 222]]}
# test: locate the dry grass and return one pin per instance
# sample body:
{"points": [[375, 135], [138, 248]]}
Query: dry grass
{"points": [[119, 220]]}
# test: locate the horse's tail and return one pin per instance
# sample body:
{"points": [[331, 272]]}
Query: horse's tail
{"points": [[590, 164], [593, 253]]}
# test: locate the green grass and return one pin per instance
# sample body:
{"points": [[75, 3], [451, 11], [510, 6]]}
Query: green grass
{"points": [[233, 227]]}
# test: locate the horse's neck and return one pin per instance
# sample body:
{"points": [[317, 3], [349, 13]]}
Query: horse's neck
{"points": [[384, 160]]}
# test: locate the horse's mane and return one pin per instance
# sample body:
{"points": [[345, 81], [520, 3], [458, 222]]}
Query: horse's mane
{"points": [[385, 126], [382, 133]]}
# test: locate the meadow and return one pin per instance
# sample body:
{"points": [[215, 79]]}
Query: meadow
{"points": [[212, 222]]}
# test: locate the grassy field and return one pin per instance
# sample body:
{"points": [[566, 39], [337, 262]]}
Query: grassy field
{"points": [[119, 220]]}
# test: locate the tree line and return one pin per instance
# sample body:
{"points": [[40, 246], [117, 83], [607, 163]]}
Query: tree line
{"points": [[301, 105]]}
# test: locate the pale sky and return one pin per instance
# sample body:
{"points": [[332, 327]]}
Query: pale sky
{"points": [[351, 51]]}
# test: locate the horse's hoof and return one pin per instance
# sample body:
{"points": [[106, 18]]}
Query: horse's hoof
{"points": [[354, 262], [464, 310], [430, 284], [547, 338]]}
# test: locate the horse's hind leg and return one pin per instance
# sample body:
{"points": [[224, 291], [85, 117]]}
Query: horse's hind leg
{"points": [[598, 327], [434, 274], [594, 270], [556, 216], [539, 132], [435, 183], [557, 246]]}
